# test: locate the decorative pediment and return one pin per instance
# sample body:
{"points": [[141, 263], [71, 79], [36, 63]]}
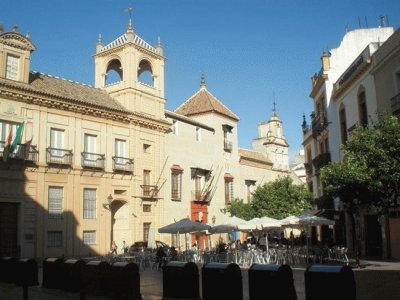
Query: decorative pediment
{"points": [[16, 40]]}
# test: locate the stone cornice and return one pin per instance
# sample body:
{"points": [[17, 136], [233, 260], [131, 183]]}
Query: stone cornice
{"points": [[318, 84], [16, 40], [337, 92], [68, 105]]}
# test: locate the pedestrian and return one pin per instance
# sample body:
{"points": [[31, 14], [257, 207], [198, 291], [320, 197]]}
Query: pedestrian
{"points": [[114, 248], [160, 254], [125, 247]]}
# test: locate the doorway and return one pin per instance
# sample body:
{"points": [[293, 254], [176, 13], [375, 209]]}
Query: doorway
{"points": [[373, 236], [9, 229]]}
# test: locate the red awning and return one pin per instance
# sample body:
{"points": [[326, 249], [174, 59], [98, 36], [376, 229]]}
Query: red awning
{"points": [[228, 176], [176, 168]]}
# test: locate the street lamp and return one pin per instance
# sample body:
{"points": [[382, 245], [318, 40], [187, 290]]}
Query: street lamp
{"points": [[108, 204]]}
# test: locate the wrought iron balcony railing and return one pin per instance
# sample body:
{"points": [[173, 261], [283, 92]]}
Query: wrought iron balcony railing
{"points": [[318, 124], [228, 146], [149, 191], [321, 161], [22, 152], [93, 160], [308, 167], [122, 164], [200, 196], [59, 156]]}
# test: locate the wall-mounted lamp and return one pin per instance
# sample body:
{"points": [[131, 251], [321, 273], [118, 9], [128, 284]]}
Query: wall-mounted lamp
{"points": [[109, 201]]}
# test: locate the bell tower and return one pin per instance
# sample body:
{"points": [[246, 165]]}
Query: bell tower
{"points": [[132, 71], [272, 142]]}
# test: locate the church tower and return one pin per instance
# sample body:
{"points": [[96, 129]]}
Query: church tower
{"points": [[132, 71], [272, 142]]}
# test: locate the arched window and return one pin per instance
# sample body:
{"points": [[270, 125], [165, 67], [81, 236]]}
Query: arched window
{"points": [[114, 72], [145, 73], [362, 109], [343, 124]]}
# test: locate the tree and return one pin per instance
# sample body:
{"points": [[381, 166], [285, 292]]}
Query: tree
{"points": [[277, 199], [369, 175], [240, 209]]}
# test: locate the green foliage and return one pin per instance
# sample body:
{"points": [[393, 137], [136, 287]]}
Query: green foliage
{"points": [[277, 199], [240, 209], [370, 171]]}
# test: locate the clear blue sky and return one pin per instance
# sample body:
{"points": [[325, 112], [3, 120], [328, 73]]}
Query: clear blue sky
{"points": [[249, 50]]}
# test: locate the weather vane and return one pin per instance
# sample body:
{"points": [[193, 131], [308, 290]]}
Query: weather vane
{"points": [[129, 11]]}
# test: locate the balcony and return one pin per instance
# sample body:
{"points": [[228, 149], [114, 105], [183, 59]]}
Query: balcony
{"points": [[321, 161], [200, 196], [56, 156], [308, 167], [318, 124], [149, 191], [93, 160], [122, 164], [228, 146], [395, 105], [22, 152]]}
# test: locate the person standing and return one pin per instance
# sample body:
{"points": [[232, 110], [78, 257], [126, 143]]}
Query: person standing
{"points": [[125, 247], [114, 248]]}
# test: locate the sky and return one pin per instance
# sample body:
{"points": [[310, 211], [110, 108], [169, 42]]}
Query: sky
{"points": [[252, 52]]}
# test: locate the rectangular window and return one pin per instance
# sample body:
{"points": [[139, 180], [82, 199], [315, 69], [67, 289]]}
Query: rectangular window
{"points": [[146, 230], [176, 182], [89, 237], [146, 207], [120, 148], [55, 202], [146, 183], [54, 239], [250, 184], [90, 144], [228, 191], [56, 145], [12, 67], [198, 134], [5, 129], [89, 203]]}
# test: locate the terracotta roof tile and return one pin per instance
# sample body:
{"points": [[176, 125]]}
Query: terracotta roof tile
{"points": [[67, 90], [204, 102], [252, 155]]}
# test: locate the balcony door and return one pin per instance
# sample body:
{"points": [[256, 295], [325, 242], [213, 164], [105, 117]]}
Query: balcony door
{"points": [[120, 152], [90, 149], [56, 144]]}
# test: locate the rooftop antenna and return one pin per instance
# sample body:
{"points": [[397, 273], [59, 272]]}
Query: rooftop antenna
{"points": [[359, 22], [366, 21], [347, 27], [387, 20]]}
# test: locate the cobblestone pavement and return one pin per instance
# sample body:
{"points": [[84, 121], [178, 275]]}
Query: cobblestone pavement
{"points": [[375, 280]]}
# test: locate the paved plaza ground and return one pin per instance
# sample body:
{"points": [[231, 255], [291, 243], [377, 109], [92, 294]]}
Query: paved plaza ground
{"points": [[374, 281]]}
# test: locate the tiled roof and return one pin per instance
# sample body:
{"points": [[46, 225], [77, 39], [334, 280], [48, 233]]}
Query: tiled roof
{"points": [[67, 90], [173, 115], [204, 102], [255, 156], [137, 40]]}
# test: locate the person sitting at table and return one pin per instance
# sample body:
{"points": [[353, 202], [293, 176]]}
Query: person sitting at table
{"points": [[173, 253], [160, 254]]}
